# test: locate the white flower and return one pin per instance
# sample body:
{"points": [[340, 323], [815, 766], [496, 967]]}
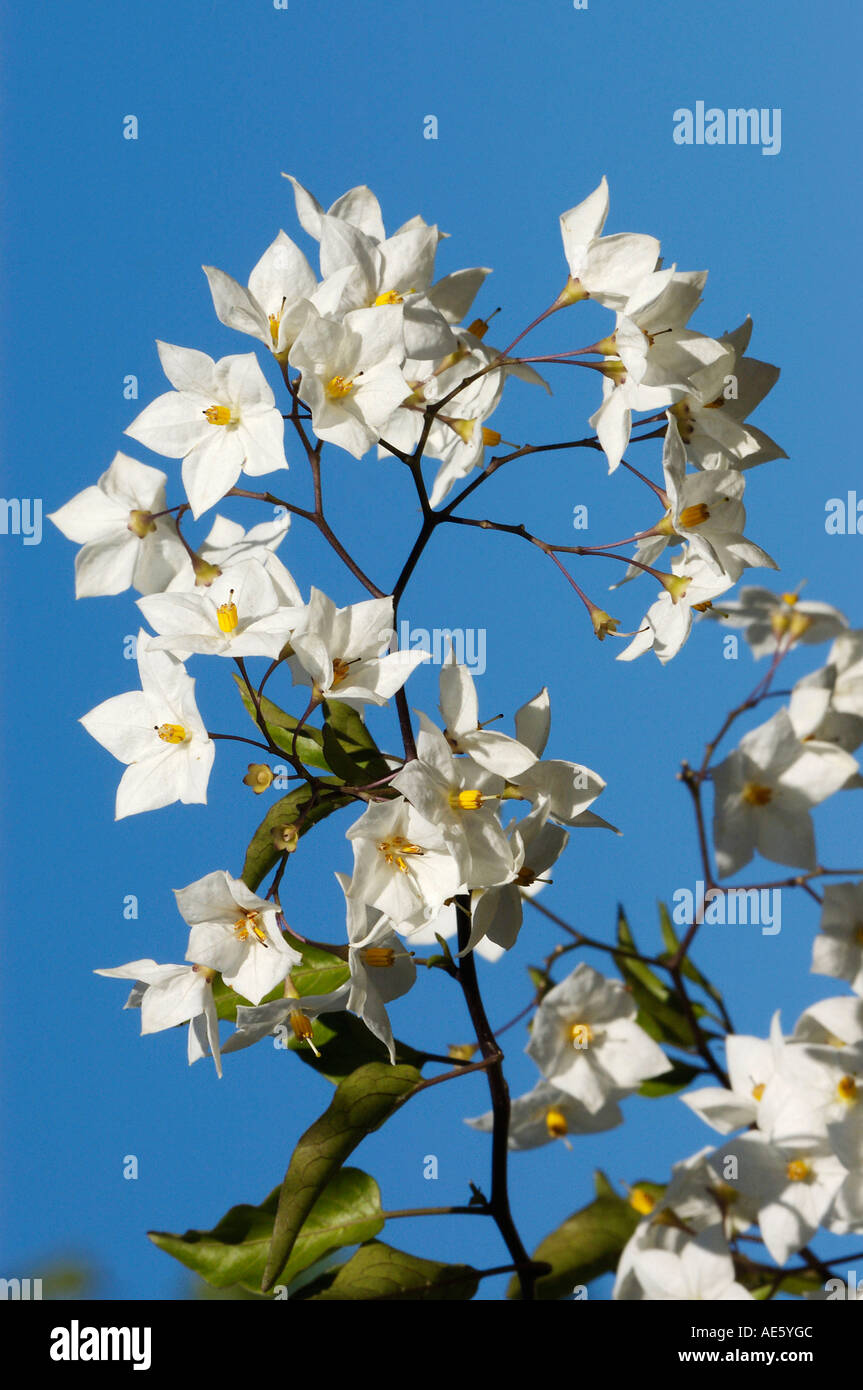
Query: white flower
{"points": [[228, 545], [158, 732], [273, 309], [547, 1113], [702, 1270], [122, 544], [609, 268], [497, 912], [172, 994], [838, 948], [668, 622], [351, 374], [402, 865], [220, 419], [705, 510], [459, 707], [235, 932], [568, 788], [238, 615], [752, 1062], [459, 798], [341, 652], [711, 416], [585, 1039], [792, 1185], [770, 620], [764, 792]]}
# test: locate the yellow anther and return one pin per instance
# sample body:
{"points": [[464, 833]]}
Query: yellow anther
{"points": [[379, 956], [758, 1091], [219, 414], [338, 387], [525, 877], [641, 1201], [394, 850], [468, 800], [847, 1090], [248, 926], [555, 1122], [340, 671], [580, 1035], [695, 515], [172, 733], [388, 297], [798, 1170], [275, 321], [756, 794], [491, 437], [790, 599], [227, 615], [301, 1026]]}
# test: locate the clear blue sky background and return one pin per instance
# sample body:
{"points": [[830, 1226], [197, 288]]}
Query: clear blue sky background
{"points": [[102, 243]]}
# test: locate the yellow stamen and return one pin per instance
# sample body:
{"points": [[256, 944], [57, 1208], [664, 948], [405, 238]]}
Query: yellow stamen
{"points": [[847, 1090], [758, 1091], [580, 1035], [388, 297], [340, 671], [695, 515], [555, 1122], [755, 794], [379, 956], [172, 733], [798, 1170], [790, 599], [248, 926], [491, 437], [641, 1201], [227, 615], [301, 1026], [338, 387], [468, 800], [219, 414], [394, 850]]}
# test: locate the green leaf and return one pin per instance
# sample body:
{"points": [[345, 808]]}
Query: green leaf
{"points": [[261, 856], [586, 1245], [602, 1186], [381, 1273], [347, 1212], [280, 727], [345, 1044], [345, 727], [670, 1081], [362, 1103], [320, 972], [688, 969], [636, 970], [670, 938]]}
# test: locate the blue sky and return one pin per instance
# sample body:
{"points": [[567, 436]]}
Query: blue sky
{"points": [[102, 243]]}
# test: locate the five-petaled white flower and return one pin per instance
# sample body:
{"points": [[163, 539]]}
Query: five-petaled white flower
{"points": [[220, 419]]}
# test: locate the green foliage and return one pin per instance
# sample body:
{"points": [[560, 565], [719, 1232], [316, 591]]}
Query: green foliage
{"points": [[347, 1212], [379, 1272], [587, 1244], [363, 1101]]}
